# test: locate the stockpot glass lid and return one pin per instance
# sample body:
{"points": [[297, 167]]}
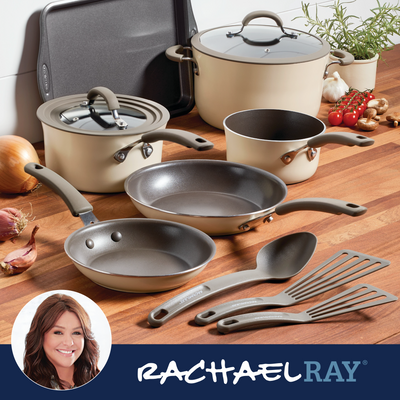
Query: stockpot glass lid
{"points": [[262, 44]]}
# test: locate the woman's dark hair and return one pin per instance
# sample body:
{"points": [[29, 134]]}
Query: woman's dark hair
{"points": [[36, 364]]}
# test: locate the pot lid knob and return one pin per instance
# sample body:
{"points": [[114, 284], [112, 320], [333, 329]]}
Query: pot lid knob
{"points": [[259, 14], [112, 104]]}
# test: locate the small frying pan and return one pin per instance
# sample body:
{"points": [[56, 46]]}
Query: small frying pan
{"points": [[219, 197], [136, 255]]}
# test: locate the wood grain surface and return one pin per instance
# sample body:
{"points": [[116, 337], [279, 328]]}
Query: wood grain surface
{"points": [[368, 176]]}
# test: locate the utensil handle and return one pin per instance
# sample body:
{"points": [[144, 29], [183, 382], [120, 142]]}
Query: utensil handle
{"points": [[332, 206], [235, 306], [75, 201], [182, 301], [344, 138], [258, 320]]}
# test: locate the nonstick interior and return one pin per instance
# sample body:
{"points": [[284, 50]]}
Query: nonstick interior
{"points": [[276, 125], [205, 188], [140, 247]]}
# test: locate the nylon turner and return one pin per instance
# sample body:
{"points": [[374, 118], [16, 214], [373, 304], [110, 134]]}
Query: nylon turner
{"points": [[356, 298], [343, 267]]}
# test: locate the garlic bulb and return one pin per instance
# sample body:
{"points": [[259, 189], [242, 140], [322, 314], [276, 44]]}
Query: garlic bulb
{"points": [[334, 88]]}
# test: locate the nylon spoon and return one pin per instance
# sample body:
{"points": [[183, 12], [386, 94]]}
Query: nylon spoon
{"points": [[280, 259]]}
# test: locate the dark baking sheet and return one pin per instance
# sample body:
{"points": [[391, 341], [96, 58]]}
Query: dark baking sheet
{"points": [[119, 44]]}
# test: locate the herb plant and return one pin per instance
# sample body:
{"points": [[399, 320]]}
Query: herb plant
{"points": [[361, 38]]}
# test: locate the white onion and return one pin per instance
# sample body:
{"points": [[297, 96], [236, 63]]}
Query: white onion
{"points": [[15, 153]]}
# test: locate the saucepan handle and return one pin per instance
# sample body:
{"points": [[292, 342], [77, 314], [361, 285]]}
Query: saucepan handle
{"points": [[344, 138], [332, 206], [75, 201], [181, 137]]}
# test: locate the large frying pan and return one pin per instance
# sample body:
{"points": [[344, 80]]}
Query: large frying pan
{"points": [[137, 255], [219, 197]]}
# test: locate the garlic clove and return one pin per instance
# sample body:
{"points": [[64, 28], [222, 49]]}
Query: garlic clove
{"points": [[334, 88], [20, 260], [12, 223]]}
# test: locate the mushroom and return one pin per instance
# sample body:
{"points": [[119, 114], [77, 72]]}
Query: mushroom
{"points": [[394, 117], [380, 105], [368, 122]]}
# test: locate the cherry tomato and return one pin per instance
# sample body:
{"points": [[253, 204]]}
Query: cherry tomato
{"points": [[350, 119], [370, 96], [335, 118]]}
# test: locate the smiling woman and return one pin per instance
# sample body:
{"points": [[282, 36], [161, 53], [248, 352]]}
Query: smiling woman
{"points": [[60, 349]]}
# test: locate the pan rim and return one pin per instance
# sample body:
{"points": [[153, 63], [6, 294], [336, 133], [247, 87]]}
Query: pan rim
{"points": [[205, 237], [266, 211]]}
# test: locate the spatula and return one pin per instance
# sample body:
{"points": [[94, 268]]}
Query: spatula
{"points": [[357, 298], [343, 267]]}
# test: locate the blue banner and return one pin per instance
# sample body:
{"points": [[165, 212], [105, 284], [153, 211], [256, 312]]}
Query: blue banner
{"points": [[212, 371]]}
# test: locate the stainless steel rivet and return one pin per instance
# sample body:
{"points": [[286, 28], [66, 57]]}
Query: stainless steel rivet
{"points": [[89, 243], [116, 236]]}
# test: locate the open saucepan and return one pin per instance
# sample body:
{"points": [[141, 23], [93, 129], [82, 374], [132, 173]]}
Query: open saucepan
{"points": [[219, 197], [283, 142], [96, 140], [137, 255]]}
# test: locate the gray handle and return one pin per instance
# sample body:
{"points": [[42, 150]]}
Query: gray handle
{"points": [[75, 201], [175, 53], [344, 58], [344, 138], [260, 14], [182, 301], [257, 320], [332, 206], [107, 94], [181, 137], [235, 306]]}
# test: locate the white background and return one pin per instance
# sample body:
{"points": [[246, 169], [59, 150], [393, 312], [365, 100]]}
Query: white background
{"points": [[19, 39]]}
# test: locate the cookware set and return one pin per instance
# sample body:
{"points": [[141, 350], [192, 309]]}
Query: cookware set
{"points": [[106, 140]]}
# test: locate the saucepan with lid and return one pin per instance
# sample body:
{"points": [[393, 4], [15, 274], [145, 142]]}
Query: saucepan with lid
{"points": [[96, 140], [240, 67]]}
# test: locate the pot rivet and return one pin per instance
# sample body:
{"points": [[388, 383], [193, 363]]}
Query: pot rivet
{"points": [[116, 236], [89, 243]]}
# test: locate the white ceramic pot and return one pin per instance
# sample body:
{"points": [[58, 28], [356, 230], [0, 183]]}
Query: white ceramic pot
{"points": [[256, 66], [282, 142], [95, 146], [361, 74]]}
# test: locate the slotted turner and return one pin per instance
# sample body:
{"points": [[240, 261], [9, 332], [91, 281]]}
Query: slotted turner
{"points": [[343, 267], [356, 298]]}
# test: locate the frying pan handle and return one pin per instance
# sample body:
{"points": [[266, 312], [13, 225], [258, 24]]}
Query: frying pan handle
{"points": [[75, 201], [257, 320], [181, 137], [344, 138], [182, 301], [332, 206]]}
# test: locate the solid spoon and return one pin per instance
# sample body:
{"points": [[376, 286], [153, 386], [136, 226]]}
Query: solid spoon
{"points": [[280, 259]]}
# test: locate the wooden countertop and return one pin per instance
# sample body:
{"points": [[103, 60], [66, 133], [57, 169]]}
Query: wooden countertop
{"points": [[368, 176]]}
